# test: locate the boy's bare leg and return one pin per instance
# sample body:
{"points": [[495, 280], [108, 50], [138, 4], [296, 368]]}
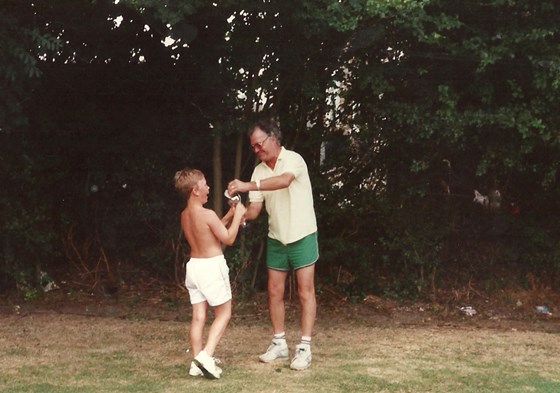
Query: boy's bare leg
{"points": [[276, 288], [222, 315], [197, 326], [307, 298]]}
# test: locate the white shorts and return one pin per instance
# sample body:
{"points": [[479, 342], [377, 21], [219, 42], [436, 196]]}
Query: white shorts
{"points": [[207, 279]]}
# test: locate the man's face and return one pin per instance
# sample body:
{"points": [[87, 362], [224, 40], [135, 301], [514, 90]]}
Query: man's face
{"points": [[261, 144]]}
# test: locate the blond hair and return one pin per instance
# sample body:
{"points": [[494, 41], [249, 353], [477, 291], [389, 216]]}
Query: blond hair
{"points": [[186, 179]]}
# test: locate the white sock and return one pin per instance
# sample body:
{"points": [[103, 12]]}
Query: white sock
{"points": [[306, 340], [280, 336]]}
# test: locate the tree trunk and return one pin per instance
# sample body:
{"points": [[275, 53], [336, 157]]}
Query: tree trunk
{"points": [[238, 154], [217, 165]]}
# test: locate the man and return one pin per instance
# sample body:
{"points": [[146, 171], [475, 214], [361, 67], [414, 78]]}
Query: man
{"points": [[281, 182]]}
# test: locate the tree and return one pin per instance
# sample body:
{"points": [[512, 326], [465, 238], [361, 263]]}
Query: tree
{"points": [[402, 110], [444, 97], [22, 43], [21, 46]]}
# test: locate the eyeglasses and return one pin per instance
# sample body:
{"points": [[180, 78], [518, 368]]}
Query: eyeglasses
{"points": [[259, 145]]}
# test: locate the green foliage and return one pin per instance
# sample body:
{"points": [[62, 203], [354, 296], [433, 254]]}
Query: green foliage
{"points": [[20, 49], [414, 104], [449, 87]]}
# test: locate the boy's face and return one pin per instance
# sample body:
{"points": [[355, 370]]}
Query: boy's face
{"points": [[203, 189]]}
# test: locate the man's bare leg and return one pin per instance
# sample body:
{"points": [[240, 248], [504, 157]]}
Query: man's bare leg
{"points": [[306, 291], [276, 287]]}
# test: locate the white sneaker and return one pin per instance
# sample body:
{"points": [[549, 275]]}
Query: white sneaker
{"points": [[195, 371], [278, 349], [302, 358], [207, 365]]}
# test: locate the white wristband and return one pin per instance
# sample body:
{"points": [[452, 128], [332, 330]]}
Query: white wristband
{"points": [[258, 183]]}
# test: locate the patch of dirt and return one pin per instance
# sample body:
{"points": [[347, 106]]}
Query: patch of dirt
{"points": [[505, 310]]}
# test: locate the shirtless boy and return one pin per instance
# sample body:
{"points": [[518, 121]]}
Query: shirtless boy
{"points": [[207, 277]]}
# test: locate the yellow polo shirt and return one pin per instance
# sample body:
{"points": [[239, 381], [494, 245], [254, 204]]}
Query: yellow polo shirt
{"points": [[291, 215]]}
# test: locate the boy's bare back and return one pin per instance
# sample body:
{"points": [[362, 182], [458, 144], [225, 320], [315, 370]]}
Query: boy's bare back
{"points": [[197, 223]]}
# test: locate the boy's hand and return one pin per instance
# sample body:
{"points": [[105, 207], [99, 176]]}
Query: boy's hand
{"points": [[240, 209]]}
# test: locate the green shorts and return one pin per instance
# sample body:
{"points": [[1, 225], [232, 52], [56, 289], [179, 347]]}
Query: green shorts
{"points": [[301, 253]]}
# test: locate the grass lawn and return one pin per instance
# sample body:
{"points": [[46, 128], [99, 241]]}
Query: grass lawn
{"points": [[54, 352]]}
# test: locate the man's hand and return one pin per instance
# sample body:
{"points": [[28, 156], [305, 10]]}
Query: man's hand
{"points": [[237, 186]]}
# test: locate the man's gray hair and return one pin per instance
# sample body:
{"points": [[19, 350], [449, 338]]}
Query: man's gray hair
{"points": [[269, 125]]}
